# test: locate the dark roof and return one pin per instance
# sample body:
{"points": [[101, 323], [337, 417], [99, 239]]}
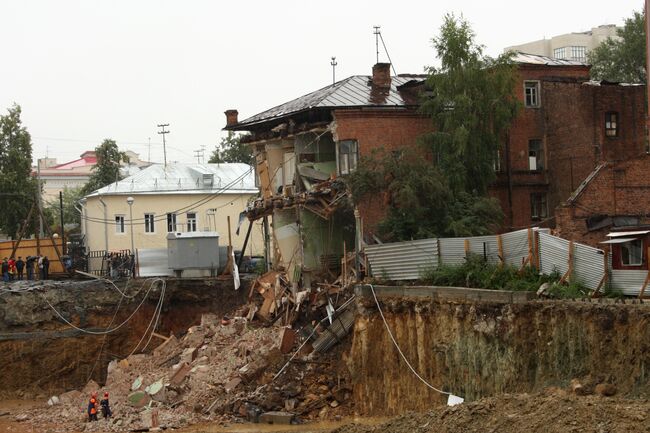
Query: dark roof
{"points": [[352, 92]]}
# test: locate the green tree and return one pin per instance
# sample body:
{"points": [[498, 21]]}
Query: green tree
{"points": [[107, 169], [71, 197], [231, 149], [472, 103], [17, 186], [622, 59], [419, 201]]}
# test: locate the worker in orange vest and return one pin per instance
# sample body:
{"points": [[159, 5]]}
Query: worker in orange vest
{"points": [[92, 407]]}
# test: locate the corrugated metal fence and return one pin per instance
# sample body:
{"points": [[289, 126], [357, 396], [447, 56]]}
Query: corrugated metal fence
{"points": [[403, 261]]}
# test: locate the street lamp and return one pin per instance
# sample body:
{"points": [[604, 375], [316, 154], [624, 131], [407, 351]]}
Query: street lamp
{"points": [[130, 201]]}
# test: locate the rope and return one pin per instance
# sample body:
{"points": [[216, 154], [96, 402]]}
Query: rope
{"points": [[400, 350]]}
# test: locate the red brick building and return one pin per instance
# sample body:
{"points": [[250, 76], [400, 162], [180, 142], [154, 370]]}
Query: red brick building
{"points": [[567, 126]]}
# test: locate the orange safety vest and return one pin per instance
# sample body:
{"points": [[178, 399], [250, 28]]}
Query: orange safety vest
{"points": [[93, 410]]}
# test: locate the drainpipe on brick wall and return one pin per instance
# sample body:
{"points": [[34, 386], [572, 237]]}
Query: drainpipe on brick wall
{"points": [[647, 68]]}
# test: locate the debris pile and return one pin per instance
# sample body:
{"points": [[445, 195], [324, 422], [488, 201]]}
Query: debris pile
{"points": [[224, 370]]}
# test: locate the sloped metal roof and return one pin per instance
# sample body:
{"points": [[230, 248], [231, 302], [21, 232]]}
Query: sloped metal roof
{"points": [[355, 91], [535, 59], [231, 178]]}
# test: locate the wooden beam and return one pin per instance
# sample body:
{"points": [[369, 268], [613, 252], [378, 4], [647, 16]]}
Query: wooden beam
{"points": [[567, 275], [466, 247], [530, 247], [500, 250], [647, 277]]}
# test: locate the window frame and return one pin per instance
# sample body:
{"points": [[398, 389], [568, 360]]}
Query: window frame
{"points": [[539, 202], [194, 221], [533, 84], [120, 226], [351, 164], [149, 223], [624, 247], [558, 50], [171, 218], [579, 49], [540, 160], [608, 124]]}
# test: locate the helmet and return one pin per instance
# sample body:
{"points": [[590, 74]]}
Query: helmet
{"points": [[106, 394]]}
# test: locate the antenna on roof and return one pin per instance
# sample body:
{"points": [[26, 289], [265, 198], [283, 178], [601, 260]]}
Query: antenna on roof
{"points": [[379, 37], [333, 63]]}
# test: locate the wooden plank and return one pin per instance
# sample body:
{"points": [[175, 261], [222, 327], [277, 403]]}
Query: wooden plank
{"points": [[500, 250], [647, 277], [466, 247], [265, 179], [567, 275]]}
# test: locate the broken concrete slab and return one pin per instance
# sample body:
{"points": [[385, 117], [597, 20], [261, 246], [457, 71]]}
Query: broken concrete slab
{"points": [[276, 417], [137, 383], [138, 399], [232, 384], [156, 390], [180, 374], [189, 355]]}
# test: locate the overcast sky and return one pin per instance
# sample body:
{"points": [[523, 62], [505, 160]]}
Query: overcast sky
{"points": [[88, 70]]}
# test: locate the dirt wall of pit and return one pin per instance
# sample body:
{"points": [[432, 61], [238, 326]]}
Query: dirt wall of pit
{"points": [[476, 349], [40, 354]]}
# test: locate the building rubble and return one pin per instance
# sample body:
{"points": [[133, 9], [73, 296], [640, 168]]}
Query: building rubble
{"points": [[222, 370]]}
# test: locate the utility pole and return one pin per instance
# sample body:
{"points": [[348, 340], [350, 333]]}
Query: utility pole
{"points": [[203, 153], [377, 33], [333, 63], [149, 151], [163, 132], [197, 153], [39, 198]]}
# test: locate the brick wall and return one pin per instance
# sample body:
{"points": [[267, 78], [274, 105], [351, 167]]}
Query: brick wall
{"points": [[620, 189], [373, 129]]}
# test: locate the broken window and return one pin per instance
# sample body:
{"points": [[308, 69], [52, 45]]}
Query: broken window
{"points": [[348, 156], [632, 253], [119, 223], [191, 221], [171, 222], [538, 206], [611, 124], [535, 155], [531, 93], [148, 223]]}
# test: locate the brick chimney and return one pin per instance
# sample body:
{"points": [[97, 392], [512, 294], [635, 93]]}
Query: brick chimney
{"points": [[381, 75], [231, 117]]}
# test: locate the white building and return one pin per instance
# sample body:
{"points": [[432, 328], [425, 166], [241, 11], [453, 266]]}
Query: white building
{"points": [[570, 46], [175, 198]]}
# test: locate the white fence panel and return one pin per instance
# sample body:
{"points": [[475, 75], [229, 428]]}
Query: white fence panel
{"points": [[152, 262], [401, 261], [553, 254], [452, 251], [629, 282], [588, 265], [515, 247], [485, 246]]}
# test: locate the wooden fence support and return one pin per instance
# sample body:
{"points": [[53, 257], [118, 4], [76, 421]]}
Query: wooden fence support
{"points": [[647, 277], [568, 274], [500, 250], [466, 247]]}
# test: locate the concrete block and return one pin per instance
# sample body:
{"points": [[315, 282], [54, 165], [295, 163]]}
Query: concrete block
{"points": [[276, 417], [180, 374], [138, 399]]}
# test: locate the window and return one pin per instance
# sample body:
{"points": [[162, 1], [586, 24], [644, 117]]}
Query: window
{"points": [[191, 221], [611, 124], [538, 206], [148, 223], [119, 223], [348, 155], [535, 155], [632, 253], [559, 53], [531, 93], [171, 222], [288, 168], [579, 53]]}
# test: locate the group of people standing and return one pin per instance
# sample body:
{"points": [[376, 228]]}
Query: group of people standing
{"points": [[13, 269]]}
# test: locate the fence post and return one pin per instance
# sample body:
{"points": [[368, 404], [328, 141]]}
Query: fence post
{"points": [[466, 247], [500, 250], [647, 277], [530, 247], [567, 275]]}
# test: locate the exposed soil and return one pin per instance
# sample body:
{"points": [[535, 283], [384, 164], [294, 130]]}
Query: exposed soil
{"points": [[554, 411]]}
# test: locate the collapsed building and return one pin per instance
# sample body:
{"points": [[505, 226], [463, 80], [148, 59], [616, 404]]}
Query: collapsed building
{"points": [[303, 147]]}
